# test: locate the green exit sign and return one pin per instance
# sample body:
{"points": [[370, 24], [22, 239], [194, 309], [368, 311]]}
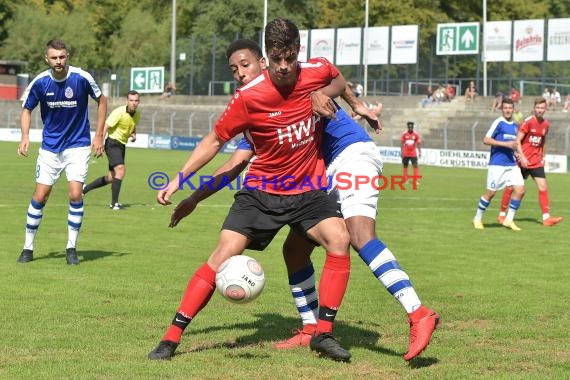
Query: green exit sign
{"points": [[458, 38]]}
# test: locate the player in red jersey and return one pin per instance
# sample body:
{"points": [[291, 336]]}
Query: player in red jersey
{"points": [[532, 141], [411, 150], [274, 112]]}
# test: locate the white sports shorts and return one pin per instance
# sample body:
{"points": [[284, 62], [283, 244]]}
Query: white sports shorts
{"points": [[354, 174], [499, 177], [75, 161]]}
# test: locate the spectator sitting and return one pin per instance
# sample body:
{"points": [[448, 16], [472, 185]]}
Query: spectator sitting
{"points": [[450, 91], [566, 104], [470, 92], [168, 91], [358, 89], [546, 96], [497, 102], [555, 98], [440, 95], [428, 99]]}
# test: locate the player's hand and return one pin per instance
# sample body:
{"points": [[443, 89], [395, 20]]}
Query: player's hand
{"points": [[370, 117], [163, 196], [133, 138], [182, 210], [97, 146], [23, 147], [512, 145], [323, 106]]}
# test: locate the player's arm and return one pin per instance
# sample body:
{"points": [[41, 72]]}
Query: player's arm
{"points": [[224, 174], [419, 146], [25, 123], [519, 154], [348, 95], [205, 151], [98, 146], [322, 99], [134, 134], [505, 144]]}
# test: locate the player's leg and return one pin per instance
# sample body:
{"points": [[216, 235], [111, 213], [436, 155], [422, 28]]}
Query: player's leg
{"points": [[296, 253], [543, 199], [76, 166], [505, 200], [359, 206], [515, 179], [331, 233], [198, 292], [98, 182], [116, 155], [247, 225], [119, 174], [416, 169], [495, 182], [48, 170], [405, 164], [111, 153]]}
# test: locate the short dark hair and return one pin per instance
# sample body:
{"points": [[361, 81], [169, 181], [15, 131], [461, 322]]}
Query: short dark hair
{"points": [[132, 92], [56, 44], [410, 123], [508, 101], [282, 34], [244, 43]]}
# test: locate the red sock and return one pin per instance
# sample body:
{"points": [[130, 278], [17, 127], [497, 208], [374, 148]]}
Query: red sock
{"points": [[543, 201], [506, 199], [419, 313], [416, 172], [405, 173], [198, 293], [334, 280]]}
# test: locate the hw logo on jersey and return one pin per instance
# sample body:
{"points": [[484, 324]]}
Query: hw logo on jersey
{"points": [[298, 134], [535, 140]]}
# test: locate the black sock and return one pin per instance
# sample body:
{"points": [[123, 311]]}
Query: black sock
{"points": [[99, 182], [115, 190]]}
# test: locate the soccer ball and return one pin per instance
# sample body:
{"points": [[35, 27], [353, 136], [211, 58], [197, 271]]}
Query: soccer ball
{"points": [[240, 279]]}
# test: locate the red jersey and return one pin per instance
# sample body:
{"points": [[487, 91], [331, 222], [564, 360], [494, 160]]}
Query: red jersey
{"points": [[535, 132], [410, 141], [282, 130]]}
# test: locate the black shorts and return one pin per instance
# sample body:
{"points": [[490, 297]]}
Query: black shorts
{"points": [[534, 172], [115, 151], [406, 161], [259, 215]]}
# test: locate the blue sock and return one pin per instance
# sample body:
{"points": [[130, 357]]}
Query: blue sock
{"points": [[385, 268], [302, 285]]}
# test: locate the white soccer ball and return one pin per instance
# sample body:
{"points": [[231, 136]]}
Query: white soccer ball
{"points": [[240, 279]]}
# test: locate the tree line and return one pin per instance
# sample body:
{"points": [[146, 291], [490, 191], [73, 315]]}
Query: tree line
{"points": [[113, 34]]}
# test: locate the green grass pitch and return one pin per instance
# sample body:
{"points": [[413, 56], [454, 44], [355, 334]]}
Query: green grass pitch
{"points": [[502, 295]]}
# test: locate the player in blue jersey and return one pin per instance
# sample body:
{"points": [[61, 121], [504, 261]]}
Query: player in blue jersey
{"points": [[503, 170], [348, 151], [63, 93]]}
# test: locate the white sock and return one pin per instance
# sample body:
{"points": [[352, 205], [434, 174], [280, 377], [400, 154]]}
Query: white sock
{"points": [[74, 220], [33, 220]]}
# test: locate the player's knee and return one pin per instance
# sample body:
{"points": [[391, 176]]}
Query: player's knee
{"points": [[340, 240]]}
